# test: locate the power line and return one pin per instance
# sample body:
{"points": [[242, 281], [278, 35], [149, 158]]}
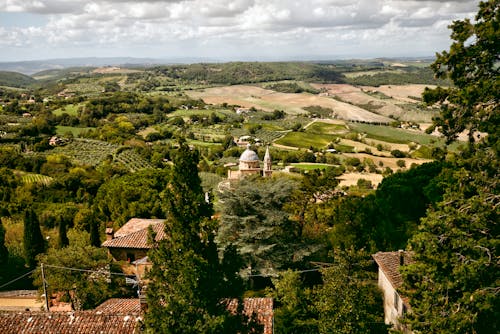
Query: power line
{"points": [[86, 270], [16, 279]]}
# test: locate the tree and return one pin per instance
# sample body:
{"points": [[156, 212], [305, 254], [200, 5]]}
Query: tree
{"points": [[4, 254], [345, 301], [293, 313], [139, 196], [472, 64], [254, 220], [188, 283], [348, 301], [85, 290], [33, 241], [63, 240], [454, 282]]}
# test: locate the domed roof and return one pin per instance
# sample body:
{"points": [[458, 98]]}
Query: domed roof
{"points": [[249, 155]]}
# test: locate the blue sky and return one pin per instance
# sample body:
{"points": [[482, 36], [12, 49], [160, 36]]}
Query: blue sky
{"points": [[227, 29]]}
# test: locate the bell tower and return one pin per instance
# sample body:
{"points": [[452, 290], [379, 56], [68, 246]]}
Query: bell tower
{"points": [[267, 164]]}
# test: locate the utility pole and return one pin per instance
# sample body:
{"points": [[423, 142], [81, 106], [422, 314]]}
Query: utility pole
{"points": [[45, 289]]}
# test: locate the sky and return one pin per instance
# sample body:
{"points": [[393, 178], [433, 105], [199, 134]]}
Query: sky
{"points": [[227, 30]]}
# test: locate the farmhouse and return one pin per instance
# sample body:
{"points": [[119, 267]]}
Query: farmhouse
{"points": [[389, 281], [250, 165], [130, 242]]}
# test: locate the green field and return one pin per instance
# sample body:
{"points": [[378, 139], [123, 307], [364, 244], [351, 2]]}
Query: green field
{"points": [[325, 128], [393, 135], [70, 109], [311, 166], [61, 130], [305, 140]]}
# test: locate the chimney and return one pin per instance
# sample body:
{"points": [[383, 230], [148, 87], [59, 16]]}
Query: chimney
{"points": [[110, 234], [401, 257]]}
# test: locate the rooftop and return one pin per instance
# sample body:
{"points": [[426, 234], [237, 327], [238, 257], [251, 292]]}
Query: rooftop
{"points": [[137, 239], [249, 155], [84, 322], [135, 225], [262, 307], [120, 306], [389, 263]]}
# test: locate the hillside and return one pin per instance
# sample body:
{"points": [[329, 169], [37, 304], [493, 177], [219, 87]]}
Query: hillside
{"points": [[14, 79]]}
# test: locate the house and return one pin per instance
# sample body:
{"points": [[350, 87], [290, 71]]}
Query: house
{"points": [[389, 281], [83, 322], [130, 242]]}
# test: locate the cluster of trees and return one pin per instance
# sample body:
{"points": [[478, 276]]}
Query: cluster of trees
{"points": [[251, 72], [410, 75]]}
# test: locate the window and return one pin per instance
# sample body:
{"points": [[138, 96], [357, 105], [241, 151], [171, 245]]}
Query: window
{"points": [[396, 300], [130, 257]]}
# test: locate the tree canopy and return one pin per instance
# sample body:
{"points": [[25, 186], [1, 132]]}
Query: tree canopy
{"points": [[454, 281], [472, 64]]}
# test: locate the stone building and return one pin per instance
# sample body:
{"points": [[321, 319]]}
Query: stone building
{"points": [[389, 281], [249, 164]]}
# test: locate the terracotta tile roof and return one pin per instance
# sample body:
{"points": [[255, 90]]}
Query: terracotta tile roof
{"points": [[135, 225], [120, 306], [263, 307], [138, 239], [85, 322], [389, 263]]}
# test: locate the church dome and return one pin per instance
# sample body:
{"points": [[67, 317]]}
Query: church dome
{"points": [[249, 155]]}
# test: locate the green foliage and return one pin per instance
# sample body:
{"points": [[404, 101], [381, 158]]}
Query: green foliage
{"points": [[4, 253], [472, 65], [251, 72], [15, 79], [86, 290], [253, 219], [291, 87], [386, 219], [409, 75], [188, 283], [140, 196], [346, 301], [293, 313], [33, 241], [454, 282]]}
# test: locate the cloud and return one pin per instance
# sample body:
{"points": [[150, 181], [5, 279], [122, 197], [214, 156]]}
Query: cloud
{"points": [[234, 26]]}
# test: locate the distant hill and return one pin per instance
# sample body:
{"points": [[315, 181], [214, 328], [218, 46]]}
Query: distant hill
{"points": [[251, 72], [15, 79], [34, 66]]}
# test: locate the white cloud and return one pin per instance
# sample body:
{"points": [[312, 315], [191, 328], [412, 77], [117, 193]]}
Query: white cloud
{"points": [[220, 28]]}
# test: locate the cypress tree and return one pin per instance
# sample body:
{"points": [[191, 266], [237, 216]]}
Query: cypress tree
{"points": [[3, 250], [188, 283], [63, 236], [33, 239]]}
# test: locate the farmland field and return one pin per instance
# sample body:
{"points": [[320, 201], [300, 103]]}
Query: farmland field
{"points": [[311, 166], [76, 131], [393, 135], [35, 178], [268, 100], [305, 140], [70, 109], [93, 152]]}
